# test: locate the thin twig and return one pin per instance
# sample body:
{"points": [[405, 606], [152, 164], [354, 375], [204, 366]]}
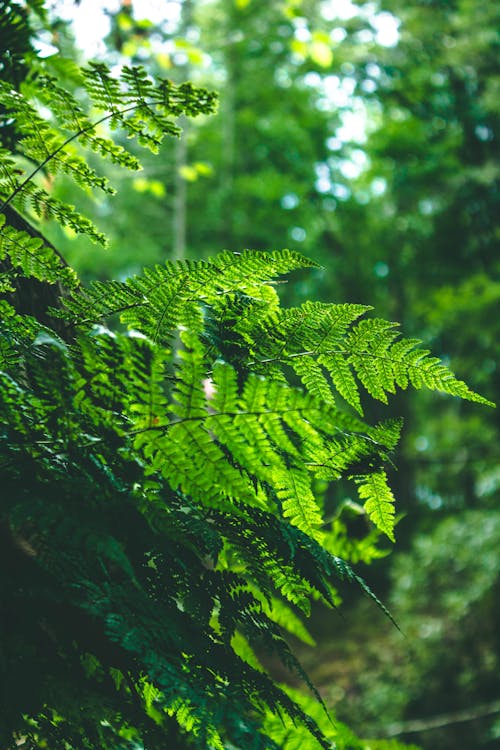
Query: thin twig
{"points": [[443, 720]]}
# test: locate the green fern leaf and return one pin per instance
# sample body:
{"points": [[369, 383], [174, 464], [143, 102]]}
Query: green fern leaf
{"points": [[378, 501], [342, 378], [299, 503], [165, 296], [33, 257], [311, 375], [285, 617]]}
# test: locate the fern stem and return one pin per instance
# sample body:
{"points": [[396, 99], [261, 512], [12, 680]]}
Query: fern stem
{"points": [[202, 418], [315, 353]]}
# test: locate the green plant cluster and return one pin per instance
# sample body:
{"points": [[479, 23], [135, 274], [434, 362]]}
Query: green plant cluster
{"points": [[160, 518]]}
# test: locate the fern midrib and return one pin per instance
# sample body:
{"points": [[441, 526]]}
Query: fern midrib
{"points": [[203, 417], [345, 352], [200, 418]]}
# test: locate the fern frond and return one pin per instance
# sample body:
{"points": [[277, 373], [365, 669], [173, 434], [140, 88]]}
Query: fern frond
{"points": [[299, 504], [383, 361], [77, 124], [157, 302], [378, 501], [32, 257], [158, 487], [29, 196], [133, 102], [284, 616], [144, 109], [320, 341]]}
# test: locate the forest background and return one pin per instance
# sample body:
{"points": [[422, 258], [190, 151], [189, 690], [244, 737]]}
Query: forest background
{"points": [[365, 136]]}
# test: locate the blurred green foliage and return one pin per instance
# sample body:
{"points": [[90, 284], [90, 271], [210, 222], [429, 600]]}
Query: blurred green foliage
{"points": [[445, 591]]}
